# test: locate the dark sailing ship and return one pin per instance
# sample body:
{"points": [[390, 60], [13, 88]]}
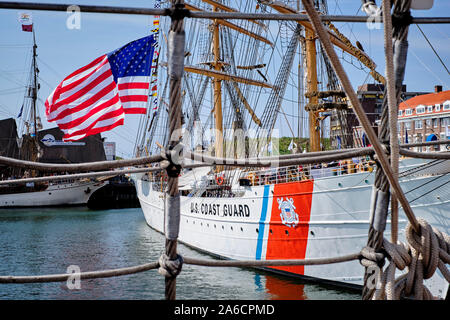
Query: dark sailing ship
{"points": [[35, 144]]}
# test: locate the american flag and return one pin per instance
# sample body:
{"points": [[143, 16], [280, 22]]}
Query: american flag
{"points": [[96, 97]]}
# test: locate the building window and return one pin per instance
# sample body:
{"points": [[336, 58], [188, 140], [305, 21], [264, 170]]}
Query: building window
{"points": [[420, 109], [408, 125], [437, 107], [428, 123], [418, 124], [430, 109], [435, 123], [408, 112], [446, 106], [400, 113]]}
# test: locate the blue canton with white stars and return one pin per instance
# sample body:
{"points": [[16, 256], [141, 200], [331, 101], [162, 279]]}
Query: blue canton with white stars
{"points": [[133, 59]]}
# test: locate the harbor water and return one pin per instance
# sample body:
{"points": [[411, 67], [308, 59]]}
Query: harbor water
{"points": [[41, 241]]}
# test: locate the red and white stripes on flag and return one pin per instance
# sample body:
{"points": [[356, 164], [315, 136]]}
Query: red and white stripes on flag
{"points": [[96, 97], [133, 93], [86, 102]]}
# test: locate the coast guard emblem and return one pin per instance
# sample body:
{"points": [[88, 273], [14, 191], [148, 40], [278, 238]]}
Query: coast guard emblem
{"points": [[287, 214]]}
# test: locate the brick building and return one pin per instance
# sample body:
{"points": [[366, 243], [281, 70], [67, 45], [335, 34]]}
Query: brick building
{"points": [[425, 118], [371, 97]]}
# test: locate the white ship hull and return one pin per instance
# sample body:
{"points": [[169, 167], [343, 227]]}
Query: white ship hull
{"points": [[333, 220], [63, 194]]}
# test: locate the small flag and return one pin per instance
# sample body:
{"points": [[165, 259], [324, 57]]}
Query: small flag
{"points": [[26, 19], [27, 28], [96, 97]]}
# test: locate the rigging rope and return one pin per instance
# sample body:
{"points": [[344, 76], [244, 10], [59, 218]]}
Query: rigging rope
{"points": [[172, 268], [432, 48], [358, 53]]}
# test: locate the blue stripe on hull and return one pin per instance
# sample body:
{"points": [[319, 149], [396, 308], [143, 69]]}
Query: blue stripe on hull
{"points": [[262, 220]]}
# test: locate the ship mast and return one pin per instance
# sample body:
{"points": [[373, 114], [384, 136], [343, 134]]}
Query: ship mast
{"points": [[218, 75], [312, 86], [34, 136], [34, 96], [29, 148], [217, 92]]}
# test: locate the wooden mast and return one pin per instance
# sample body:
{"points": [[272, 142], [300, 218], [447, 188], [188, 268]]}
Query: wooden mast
{"points": [[217, 93], [311, 65]]}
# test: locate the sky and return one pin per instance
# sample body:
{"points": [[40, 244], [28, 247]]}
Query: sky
{"points": [[62, 50]]}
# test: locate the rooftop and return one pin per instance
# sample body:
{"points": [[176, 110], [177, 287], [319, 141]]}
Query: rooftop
{"points": [[429, 99]]}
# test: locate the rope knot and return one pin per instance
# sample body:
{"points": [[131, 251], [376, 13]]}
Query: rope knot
{"points": [[178, 13], [425, 251], [427, 246], [401, 18], [369, 257], [174, 155], [170, 268]]}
